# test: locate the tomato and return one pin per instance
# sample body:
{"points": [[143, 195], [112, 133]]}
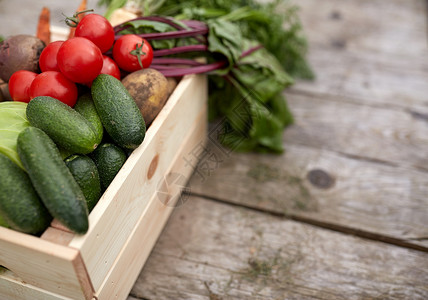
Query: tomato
{"points": [[56, 85], [97, 29], [19, 85], [110, 67], [128, 48], [47, 60], [80, 60]]}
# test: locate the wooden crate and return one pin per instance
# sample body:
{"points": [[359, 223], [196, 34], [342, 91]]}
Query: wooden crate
{"points": [[124, 225]]}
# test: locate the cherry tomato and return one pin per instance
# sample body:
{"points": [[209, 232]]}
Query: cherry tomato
{"points": [[128, 48], [56, 85], [19, 85], [47, 60], [110, 67], [97, 29], [80, 60]]}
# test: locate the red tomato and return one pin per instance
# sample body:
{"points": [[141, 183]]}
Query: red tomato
{"points": [[56, 85], [19, 85], [80, 60], [47, 60], [97, 29], [128, 48], [110, 67]]}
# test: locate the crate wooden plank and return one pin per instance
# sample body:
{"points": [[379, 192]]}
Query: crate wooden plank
{"points": [[218, 251], [392, 27], [132, 188], [324, 186], [58, 236], [13, 287], [44, 264], [128, 265]]}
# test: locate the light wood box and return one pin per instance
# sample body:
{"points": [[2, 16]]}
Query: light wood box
{"points": [[124, 225]]}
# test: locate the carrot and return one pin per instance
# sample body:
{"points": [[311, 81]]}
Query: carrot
{"points": [[81, 7], [43, 27]]}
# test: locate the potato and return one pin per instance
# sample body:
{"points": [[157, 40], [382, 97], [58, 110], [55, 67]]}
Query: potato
{"points": [[19, 52], [150, 90]]}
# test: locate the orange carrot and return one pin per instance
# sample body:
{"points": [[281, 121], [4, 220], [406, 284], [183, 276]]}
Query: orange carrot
{"points": [[82, 7], [43, 27]]}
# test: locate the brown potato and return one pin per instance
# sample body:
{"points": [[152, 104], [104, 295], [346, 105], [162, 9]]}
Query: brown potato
{"points": [[150, 90]]}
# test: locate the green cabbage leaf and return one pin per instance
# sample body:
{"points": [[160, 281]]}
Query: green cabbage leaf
{"points": [[12, 121]]}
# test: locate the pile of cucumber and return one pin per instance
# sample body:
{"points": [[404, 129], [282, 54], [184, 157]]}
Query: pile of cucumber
{"points": [[70, 156]]}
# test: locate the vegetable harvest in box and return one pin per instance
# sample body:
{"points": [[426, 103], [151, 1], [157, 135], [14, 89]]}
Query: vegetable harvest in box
{"points": [[82, 105]]}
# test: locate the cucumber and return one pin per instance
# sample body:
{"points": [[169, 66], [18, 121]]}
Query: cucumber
{"points": [[20, 206], [65, 126], [52, 180], [118, 112], [85, 173], [86, 107], [109, 159]]}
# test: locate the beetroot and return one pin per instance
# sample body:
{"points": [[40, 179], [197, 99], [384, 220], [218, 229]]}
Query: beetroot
{"points": [[19, 52]]}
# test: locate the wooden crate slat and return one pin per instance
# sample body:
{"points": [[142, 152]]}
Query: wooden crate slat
{"points": [[13, 287], [44, 264], [57, 236], [211, 249], [124, 272]]}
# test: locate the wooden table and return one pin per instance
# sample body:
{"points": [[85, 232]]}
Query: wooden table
{"points": [[343, 213]]}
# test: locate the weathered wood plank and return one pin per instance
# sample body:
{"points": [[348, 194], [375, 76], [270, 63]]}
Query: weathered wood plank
{"points": [[325, 186], [369, 52], [391, 27], [394, 136], [368, 80], [211, 250]]}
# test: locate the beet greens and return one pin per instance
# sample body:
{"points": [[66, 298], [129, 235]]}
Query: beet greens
{"points": [[249, 57]]}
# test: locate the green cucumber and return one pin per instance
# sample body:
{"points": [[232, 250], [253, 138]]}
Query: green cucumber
{"points": [[52, 180], [65, 126], [109, 160], [86, 107], [20, 206], [86, 174], [118, 112]]}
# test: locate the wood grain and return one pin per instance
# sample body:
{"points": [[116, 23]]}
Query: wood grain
{"points": [[371, 80], [389, 28], [355, 159], [363, 121], [141, 241], [347, 192], [210, 250], [43, 264], [392, 136], [13, 287]]}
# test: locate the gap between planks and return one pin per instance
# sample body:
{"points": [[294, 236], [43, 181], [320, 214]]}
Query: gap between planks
{"points": [[325, 225]]}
